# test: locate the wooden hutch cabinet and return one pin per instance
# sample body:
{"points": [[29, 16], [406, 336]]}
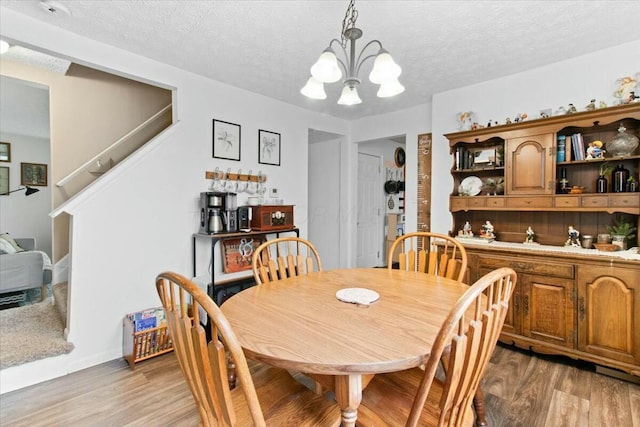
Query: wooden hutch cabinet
{"points": [[581, 303]]}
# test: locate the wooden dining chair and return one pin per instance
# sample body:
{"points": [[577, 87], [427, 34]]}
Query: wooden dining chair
{"points": [[431, 253], [265, 395], [284, 257], [470, 331]]}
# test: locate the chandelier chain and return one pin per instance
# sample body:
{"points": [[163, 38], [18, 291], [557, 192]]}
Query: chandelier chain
{"points": [[349, 21]]}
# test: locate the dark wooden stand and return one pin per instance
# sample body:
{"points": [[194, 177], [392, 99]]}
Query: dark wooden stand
{"points": [[222, 290]]}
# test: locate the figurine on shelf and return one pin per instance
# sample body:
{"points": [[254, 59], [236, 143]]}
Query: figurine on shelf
{"points": [[632, 97], [574, 237], [507, 121], [465, 119], [572, 109], [531, 235], [602, 104], [595, 151], [466, 229], [487, 231], [560, 111], [591, 105]]}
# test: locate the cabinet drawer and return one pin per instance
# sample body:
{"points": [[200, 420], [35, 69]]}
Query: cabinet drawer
{"points": [[530, 266], [477, 202], [495, 202], [595, 201], [458, 204], [567, 201], [625, 200], [530, 202]]}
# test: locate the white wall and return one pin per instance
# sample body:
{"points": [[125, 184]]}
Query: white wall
{"points": [[139, 221], [574, 81], [23, 216], [325, 225]]}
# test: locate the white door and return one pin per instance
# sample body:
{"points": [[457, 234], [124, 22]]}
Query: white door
{"points": [[369, 211]]}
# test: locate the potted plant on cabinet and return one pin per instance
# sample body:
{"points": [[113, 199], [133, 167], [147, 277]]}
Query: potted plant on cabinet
{"points": [[622, 231]]}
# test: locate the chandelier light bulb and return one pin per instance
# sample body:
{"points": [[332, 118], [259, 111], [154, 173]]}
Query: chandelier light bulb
{"points": [[314, 89], [385, 68], [326, 68], [390, 88], [4, 46], [349, 96]]}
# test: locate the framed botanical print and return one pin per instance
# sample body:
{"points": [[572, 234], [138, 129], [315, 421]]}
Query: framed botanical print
{"points": [[4, 180], [269, 147], [5, 152], [33, 174], [226, 140]]}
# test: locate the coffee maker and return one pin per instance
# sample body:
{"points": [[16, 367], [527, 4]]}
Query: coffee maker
{"points": [[211, 206], [218, 212], [230, 212]]}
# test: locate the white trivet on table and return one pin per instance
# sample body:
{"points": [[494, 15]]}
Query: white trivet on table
{"points": [[360, 296]]}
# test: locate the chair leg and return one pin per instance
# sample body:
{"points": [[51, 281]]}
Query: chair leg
{"points": [[478, 405], [43, 292]]}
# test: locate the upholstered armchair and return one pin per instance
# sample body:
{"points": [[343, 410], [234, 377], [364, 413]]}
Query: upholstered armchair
{"points": [[26, 269]]}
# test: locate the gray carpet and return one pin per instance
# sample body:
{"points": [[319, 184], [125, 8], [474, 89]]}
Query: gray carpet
{"points": [[31, 333]]}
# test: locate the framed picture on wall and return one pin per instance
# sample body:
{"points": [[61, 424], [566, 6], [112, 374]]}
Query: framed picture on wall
{"points": [[4, 181], [226, 140], [268, 148], [5, 152], [33, 174]]}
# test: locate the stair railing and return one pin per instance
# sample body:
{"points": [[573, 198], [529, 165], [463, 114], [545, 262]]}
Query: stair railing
{"points": [[97, 162]]}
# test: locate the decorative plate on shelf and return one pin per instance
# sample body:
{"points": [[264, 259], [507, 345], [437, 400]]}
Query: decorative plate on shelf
{"points": [[471, 186]]}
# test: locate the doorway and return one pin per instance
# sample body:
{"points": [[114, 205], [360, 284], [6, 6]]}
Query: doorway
{"points": [[382, 204], [24, 124]]}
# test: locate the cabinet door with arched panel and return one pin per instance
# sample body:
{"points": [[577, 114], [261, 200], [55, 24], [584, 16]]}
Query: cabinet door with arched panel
{"points": [[530, 164], [609, 312]]}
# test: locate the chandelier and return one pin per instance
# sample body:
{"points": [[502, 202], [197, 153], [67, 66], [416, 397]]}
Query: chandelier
{"points": [[385, 71]]}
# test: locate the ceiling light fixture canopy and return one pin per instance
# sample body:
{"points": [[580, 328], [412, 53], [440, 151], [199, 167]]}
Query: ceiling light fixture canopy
{"points": [[385, 71]]}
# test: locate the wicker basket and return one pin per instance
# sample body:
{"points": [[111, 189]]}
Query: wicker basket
{"points": [[138, 346]]}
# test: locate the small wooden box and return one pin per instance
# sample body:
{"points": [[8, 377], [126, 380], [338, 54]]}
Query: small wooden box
{"points": [[272, 217]]}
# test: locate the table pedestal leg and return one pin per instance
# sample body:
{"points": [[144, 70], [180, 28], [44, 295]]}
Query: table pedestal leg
{"points": [[348, 396]]}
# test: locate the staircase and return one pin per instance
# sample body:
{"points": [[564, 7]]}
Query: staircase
{"points": [[60, 292], [102, 162]]}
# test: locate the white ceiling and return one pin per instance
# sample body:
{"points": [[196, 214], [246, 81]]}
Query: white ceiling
{"points": [[267, 47]]}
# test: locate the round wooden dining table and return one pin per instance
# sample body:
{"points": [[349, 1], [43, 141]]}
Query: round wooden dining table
{"points": [[299, 324]]}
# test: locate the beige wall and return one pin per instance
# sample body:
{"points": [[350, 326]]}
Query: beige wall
{"points": [[90, 110]]}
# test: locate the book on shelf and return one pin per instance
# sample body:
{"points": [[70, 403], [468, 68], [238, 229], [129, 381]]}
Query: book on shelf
{"points": [[578, 146], [567, 151], [561, 148]]}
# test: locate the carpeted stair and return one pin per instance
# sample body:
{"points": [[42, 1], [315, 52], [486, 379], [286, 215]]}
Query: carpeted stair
{"points": [[59, 291]]}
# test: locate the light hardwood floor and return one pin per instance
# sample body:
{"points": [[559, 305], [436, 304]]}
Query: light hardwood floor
{"points": [[521, 389]]}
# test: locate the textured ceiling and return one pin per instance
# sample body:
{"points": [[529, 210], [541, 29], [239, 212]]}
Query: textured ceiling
{"points": [[267, 47]]}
